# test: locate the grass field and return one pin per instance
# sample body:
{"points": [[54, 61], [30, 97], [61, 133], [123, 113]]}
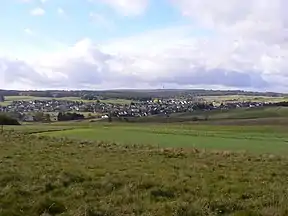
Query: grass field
{"points": [[253, 136], [49, 176], [253, 139], [227, 98], [270, 115], [261, 130], [117, 101], [241, 113], [10, 99]]}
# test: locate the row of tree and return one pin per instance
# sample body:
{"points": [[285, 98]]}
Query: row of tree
{"points": [[69, 116], [8, 118], [46, 117], [283, 103]]}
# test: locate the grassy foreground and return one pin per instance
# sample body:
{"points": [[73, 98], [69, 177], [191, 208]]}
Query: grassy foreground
{"points": [[63, 177]]}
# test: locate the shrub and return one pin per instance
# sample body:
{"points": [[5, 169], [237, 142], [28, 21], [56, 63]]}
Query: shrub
{"points": [[6, 120], [195, 118]]}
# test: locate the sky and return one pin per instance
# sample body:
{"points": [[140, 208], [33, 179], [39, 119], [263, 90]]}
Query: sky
{"points": [[144, 44]]}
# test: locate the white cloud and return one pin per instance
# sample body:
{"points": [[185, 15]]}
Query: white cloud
{"points": [[86, 65], [37, 12], [127, 7], [247, 48], [263, 20]]}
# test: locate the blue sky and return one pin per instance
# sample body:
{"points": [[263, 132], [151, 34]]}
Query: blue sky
{"points": [[79, 24], [144, 43], [76, 22]]}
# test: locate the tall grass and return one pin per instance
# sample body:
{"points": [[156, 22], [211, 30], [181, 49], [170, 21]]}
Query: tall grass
{"points": [[42, 175]]}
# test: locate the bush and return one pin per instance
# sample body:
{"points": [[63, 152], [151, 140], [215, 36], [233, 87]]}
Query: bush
{"points": [[6, 120], [195, 118], [70, 116]]}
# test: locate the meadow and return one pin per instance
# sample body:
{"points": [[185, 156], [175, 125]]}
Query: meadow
{"points": [[255, 135], [10, 99], [252, 139], [274, 115], [229, 98], [41, 175]]}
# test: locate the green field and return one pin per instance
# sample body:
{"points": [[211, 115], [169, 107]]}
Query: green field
{"points": [[116, 101], [254, 139], [269, 115], [10, 99], [240, 113], [40, 175], [257, 130], [218, 135], [229, 98]]}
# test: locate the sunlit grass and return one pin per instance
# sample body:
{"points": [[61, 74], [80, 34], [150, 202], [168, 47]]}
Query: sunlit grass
{"points": [[64, 177]]}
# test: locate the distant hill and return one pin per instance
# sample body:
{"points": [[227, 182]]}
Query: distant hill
{"points": [[139, 93]]}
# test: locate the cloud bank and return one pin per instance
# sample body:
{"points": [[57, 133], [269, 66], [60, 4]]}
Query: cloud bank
{"points": [[246, 48]]}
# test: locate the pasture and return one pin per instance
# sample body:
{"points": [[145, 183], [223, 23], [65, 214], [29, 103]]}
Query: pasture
{"points": [[10, 99], [240, 113], [236, 138], [233, 98], [236, 130], [266, 115], [257, 130], [41, 175]]}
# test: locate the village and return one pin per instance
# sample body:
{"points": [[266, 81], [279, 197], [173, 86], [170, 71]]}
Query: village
{"points": [[28, 110]]}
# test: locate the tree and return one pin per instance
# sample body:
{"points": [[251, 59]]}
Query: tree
{"points": [[39, 116], [69, 116], [47, 117], [7, 120], [89, 97], [2, 98], [110, 117]]}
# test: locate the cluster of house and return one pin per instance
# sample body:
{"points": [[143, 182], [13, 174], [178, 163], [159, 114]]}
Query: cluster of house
{"points": [[134, 109]]}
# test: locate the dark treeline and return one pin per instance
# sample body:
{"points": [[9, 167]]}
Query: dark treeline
{"points": [[70, 116], [7, 120], [280, 104], [136, 94]]}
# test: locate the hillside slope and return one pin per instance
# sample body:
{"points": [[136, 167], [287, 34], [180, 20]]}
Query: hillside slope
{"points": [[218, 115], [64, 177]]}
